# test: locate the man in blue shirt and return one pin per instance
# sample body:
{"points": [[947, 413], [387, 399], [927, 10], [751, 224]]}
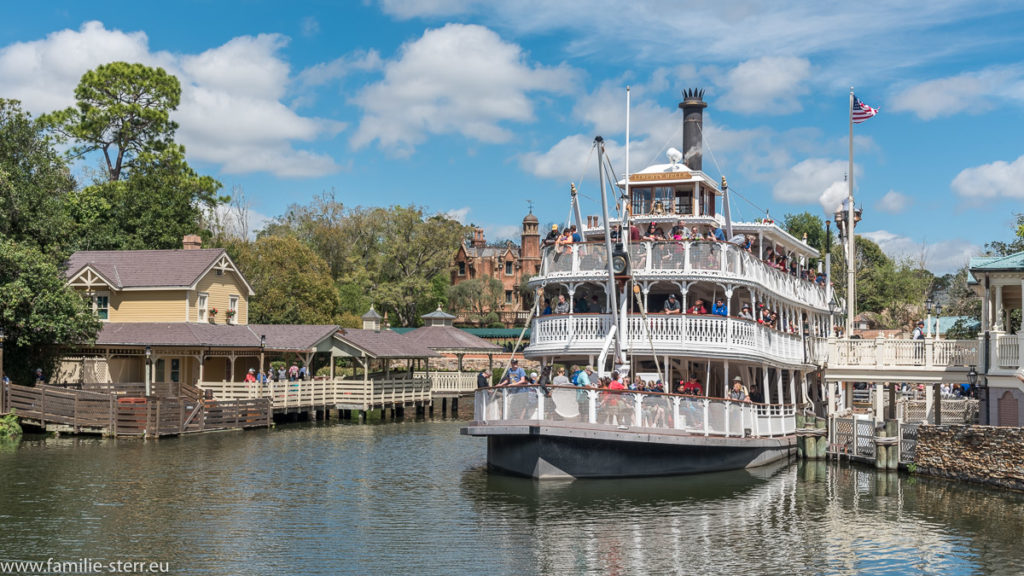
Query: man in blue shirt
{"points": [[718, 234], [720, 308], [515, 375]]}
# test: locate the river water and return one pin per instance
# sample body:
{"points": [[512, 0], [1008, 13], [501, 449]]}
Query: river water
{"points": [[415, 498]]}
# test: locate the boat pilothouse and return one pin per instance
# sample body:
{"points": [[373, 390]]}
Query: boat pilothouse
{"points": [[673, 291]]}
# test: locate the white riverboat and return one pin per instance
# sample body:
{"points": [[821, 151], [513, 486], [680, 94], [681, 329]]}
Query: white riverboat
{"points": [[618, 319]]}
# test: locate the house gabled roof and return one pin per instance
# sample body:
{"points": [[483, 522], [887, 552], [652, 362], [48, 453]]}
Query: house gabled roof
{"points": [[383, 344], [150, 269], [279, 336], [450, 339]]}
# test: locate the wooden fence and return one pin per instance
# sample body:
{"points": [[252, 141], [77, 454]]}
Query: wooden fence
{"points": [[320, 393], [86, 411]]}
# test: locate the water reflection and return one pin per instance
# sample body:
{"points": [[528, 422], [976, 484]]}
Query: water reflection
{"points": [[415, 498]]}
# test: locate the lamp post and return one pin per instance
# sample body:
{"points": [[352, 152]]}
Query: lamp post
{"points": [[938, 315], [149, 369], [928, 322], [263, 345], [972, 379], [807, 333]]}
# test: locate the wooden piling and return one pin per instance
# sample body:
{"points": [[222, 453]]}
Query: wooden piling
{"points": [[821, 447]]}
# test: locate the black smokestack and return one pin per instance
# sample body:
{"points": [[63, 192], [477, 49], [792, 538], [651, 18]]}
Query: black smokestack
{"points": [[693, 106]]}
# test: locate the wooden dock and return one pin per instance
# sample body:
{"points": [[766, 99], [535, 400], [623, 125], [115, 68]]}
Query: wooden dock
{"points": [[59, 409]]}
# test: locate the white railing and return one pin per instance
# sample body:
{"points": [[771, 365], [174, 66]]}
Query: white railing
{"points": [[1007, 351], [324, 392], [634, 410], [703, 258], [926, 353], [669, 333], [449, 382]]}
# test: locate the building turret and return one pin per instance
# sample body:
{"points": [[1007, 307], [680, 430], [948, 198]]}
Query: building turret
{"points": [[529, 254]]}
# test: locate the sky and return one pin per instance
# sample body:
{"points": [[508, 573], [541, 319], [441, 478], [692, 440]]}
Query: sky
{"points": [[482, 110]]}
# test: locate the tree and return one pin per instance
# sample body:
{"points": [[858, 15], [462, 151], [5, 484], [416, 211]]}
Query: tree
{"points": [[998, 248], [123, 111], [476, 297], [293, 284], [894, 291], [806, 223], [35, 185], [39, 312]]}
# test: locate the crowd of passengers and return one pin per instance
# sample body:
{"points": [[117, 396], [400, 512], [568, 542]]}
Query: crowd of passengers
{"points": [[765, 315], [563, 244]]}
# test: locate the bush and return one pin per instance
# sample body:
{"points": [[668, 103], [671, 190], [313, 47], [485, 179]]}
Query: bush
{"points": [[492, 318], [9, 426]]}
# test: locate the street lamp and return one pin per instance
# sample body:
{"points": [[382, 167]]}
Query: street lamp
{"points": [[928, 323], [972, 380], [263, 345], [938, 315], [149, 369]]}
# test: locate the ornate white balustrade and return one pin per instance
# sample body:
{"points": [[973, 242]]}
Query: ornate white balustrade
{"points": [[928, 353], [653, 260], [668, 334], [636, 410]]}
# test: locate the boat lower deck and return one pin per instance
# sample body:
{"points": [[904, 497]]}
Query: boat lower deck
{"points": [[580, 450]]}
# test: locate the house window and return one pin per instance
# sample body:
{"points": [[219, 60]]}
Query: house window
{"points": [[101, 305], [203, 305], [462, 268], [510, 296], [509, 268], [232, 309]]}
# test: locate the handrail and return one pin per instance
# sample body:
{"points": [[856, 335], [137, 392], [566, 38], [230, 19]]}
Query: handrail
{"points": [[629, 409]]}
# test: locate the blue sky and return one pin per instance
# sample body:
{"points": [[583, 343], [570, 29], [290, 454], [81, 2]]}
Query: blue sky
{"points": [[474, 108]]}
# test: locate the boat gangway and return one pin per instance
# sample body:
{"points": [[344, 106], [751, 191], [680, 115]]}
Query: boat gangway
{"points": [[320, 394]]}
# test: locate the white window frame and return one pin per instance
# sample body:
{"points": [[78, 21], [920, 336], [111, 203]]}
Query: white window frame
{"points": [[233, 305], [95, 305], [203, 306]]}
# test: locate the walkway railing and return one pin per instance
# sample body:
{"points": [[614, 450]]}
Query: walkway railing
{"points": [[706, 258], [634, 410], [926, 353], [450, 383], [354, 394], [672, 334], [105, 413]]}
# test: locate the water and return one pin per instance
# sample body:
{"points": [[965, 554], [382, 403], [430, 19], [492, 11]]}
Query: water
{"points": [[415, 498]]}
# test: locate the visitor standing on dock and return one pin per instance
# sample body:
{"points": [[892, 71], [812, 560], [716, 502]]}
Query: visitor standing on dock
{"points": [[483, 379]]}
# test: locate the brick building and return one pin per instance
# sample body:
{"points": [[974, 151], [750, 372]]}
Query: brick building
{"points": [[507, 262]]}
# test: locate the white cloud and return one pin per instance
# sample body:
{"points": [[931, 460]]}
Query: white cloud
{"points": [[458, 214], [459, 79], [940, 257], [806, 181], [326, 72], [893, 202], [500, 232], [766, 86], [310, 26], [970, 92], [230, 114], [991, 180]]}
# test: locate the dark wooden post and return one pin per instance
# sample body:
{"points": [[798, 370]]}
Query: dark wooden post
{"points": [[892, 400], [937, 391]]}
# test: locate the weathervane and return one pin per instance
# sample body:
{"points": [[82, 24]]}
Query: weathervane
{"points": [[530, 204]]}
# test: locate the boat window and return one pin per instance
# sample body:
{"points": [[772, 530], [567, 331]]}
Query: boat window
{"points": [[641, 200], [684, 201]]}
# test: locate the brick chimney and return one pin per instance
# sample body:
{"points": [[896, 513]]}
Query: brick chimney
{"points": [[192, 242], [478, 238]]}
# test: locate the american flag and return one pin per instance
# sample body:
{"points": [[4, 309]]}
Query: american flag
{"points": [[861, 111]]}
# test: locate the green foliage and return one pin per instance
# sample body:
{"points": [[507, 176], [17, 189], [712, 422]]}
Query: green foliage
{"points": [[38, 311], [35, 184], [391, 257], [998, 248], [292, 283], [492, 320], [806, 223], [476, 297], [9, 426], [960, 331], [893, 291], [123, 111]]}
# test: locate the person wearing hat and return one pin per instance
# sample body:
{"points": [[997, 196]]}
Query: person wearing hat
{"points": [[745, 313], [919, 330], [716, 232], [697, 308], [250, 377], [739, 391], [515, 375], [720, 309], [672, 305], [552, 236]]}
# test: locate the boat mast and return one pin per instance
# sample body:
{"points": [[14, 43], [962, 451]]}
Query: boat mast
{"points": [[608, 247], [574, 194]]}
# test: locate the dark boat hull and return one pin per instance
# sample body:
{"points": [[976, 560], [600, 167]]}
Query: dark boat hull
{"points": [[571, 451]]}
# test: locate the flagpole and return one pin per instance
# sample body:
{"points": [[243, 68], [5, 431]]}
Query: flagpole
{"points": [[851, 250]]}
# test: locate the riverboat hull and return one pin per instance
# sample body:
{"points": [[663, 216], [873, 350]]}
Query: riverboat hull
{"points": [[553, 451]]}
